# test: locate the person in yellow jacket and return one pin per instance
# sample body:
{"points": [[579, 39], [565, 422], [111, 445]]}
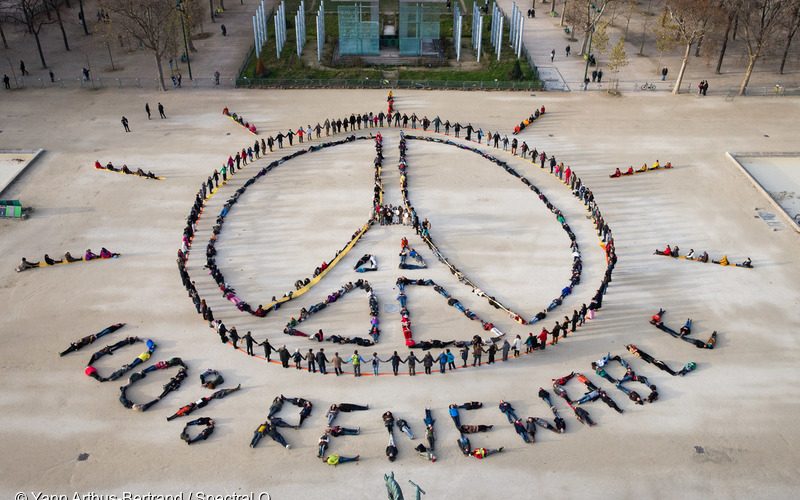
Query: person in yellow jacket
{"points": [[722, 262], [334, 459], [356, 361], [656, 165]]}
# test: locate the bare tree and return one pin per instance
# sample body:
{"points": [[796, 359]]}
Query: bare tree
{"points": [[665, 37], [730, 9], [617, 60], [56, 5], [793, 24], [151, 23], [29, 14], [3, 33], [586, 14], [760, 20], [690, 19]]}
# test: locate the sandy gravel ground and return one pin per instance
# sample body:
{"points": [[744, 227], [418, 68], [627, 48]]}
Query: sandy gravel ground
{"points": [[727, 430]]}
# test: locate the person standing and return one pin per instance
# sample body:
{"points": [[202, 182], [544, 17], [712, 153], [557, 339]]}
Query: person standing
{"points": [[234, 335], [600, 76], [52, 76], [283, 354], [125, 124], [321, 361], [568, 50], [161, 111], [312, 361], [412, 361], [267, 349], [552, 55], [6, 82], [395, 360], [337, 364], [664, 72], [477, 353], [147, 109], [248, 342], [22, 68], [223, 29]]}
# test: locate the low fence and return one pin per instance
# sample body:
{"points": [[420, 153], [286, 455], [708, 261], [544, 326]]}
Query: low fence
{"points": [[387, 84], [687, 88], [118, 82]]}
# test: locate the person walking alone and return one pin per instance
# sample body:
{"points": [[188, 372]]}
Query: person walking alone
{"points": [[147, 109], [161, 111], [125, 124]]}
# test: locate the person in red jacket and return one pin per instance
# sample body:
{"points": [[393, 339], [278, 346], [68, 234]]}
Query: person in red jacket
{"points": [[481, 453], [667, 251]]}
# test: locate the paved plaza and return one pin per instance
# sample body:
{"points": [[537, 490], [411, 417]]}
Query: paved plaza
{"points": [[726, 428]]}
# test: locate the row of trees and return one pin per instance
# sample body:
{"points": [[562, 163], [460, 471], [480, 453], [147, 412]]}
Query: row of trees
{"points": [[152, 24], [764, 26]]}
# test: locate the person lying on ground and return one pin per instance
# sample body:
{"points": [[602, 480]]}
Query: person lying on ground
{"points": [[403, 426], [481, 453], [472, 429], [426, 453], [617, 173], [388, 421], [334, 459], [305, 412], [258, 434], [276, 406], [204, 434], [202, 402], [471, 405], [747, 263], [51, 262], [391, 449], [522, 430], [323, 443], [703, 258], [26, 264], [337, 431], [279, 422], [69, 258], [464, 445], [722, 262], [689, 367], [272, 431], [508, 410], [348, 407], [667, 251]]}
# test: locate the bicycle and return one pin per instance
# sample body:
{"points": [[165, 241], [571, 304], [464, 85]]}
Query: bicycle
{"points": [[648, 86]]}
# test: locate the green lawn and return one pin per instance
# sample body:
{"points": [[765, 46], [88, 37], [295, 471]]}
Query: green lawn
{"points": [[291, 67]]}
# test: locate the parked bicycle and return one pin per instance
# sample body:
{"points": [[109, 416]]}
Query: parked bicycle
{"points": [[648, 86]]}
